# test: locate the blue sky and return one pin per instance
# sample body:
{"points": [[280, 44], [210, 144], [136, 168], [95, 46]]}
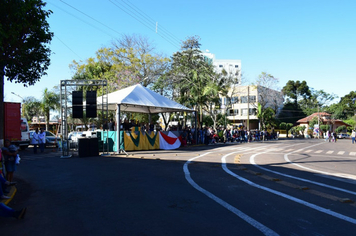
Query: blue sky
{"points": [[301, 40]]}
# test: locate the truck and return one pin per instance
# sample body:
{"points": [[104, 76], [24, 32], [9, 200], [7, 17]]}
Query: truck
{"points": [[15, 128]]}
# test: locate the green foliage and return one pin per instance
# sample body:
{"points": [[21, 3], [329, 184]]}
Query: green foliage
{"points": [[317, 101], [313, 122], [50, 101], [285, 126], [129, 61], [291, 113], [341, 129], [31, 107], [296, 90], [266, 117], [24, 37], [346, 108], [324, 128]]}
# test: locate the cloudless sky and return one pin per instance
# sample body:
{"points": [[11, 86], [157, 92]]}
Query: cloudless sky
{"points": [[301, 40]]}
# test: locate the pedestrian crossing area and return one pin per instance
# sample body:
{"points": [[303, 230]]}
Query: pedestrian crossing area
{"points": [[313, 151]]}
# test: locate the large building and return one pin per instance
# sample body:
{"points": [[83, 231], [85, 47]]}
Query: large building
{"points": [[241, 104], [231, 66]]}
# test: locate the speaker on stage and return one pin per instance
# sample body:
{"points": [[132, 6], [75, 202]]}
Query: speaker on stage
{"points": [[91, 104], [77, 104]]}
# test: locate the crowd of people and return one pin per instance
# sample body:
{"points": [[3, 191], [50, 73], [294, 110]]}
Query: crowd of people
{"points": [[208, 135], [8, 161]]}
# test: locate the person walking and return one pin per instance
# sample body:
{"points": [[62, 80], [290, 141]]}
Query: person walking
{"points": [[353, 135], [35, 140], [327, 135], [42, 140]]}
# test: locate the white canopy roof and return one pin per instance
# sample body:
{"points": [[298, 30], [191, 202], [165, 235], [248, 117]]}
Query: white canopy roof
{"points": [[138, 98]]}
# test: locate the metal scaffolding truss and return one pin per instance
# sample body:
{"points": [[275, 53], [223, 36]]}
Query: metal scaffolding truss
{"points": [[66, 87]]}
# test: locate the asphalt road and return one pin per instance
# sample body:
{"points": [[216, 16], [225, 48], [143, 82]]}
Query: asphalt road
{"points": [[285, 187]]}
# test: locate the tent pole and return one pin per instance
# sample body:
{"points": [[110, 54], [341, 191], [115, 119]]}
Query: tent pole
{"points": [[118, 128]]}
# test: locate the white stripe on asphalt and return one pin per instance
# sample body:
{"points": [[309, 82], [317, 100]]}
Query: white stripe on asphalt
{"points": [[297, 200], [248, 219], [252, 161]]}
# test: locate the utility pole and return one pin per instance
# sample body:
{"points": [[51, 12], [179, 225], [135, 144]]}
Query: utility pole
{"points": [[318, 123], [248, 107]]}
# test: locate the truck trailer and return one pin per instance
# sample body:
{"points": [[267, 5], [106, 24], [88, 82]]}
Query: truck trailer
{"points": [[15, 128]]}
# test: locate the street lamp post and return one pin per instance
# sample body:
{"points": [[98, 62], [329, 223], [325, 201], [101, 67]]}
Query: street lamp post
{"points": [[22, 102]]}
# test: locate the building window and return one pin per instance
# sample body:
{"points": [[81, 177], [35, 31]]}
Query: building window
{"points": [[253, 111], [243, 99], [236, 66], [234, 100], [244, 112], [252, 98], [221, 66]]}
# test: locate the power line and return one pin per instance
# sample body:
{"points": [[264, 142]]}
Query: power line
{"points": [[150, 19], [82, 20], [133, 15], [68, 47], [91, 17]]}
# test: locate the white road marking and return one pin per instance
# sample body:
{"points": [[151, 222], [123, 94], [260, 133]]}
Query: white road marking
{"points": [[352, 153], [319, 151], [341, 153], [248, 219], [297, 200], [329, 152], [252, 161], [307, 151]]}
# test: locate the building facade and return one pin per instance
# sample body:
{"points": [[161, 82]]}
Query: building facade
{"points": [[231, 66], [241, 104]]}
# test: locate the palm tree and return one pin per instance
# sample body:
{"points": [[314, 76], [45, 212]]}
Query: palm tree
{"points": [[50, 101]]}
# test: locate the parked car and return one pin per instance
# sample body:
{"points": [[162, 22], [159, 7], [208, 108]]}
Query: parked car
{"points": [[344, 136], [51, 139]]}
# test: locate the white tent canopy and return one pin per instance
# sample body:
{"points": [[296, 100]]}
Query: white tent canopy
{"points": [[138, 98]]}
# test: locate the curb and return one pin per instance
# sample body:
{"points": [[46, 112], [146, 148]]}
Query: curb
{"points": [[12, 193]]}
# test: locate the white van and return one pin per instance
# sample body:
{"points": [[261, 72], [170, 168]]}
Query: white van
{"points": [[25, 134]]}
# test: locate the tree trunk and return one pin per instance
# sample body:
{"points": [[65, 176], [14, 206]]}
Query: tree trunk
{"points": [[47, 120], [2, 75]]}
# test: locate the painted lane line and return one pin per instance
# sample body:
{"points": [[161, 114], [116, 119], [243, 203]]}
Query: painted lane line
{"points": [[307, 151], [294, 199], [319, 151], [309, 169], [329, 152], [352, 153], [341, 153], [252, 161], [267, 231]]}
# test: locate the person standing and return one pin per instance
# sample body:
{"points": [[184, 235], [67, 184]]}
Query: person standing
{"points": [[35, 140], [353, 135], [42, 139], [335, 136], [9, 152]]}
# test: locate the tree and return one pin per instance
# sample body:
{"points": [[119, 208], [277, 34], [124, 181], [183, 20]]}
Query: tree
{"points": [[31, 107], [318, 100], [50, 101], [291, 113], [194, 79], [346, 108], [296, 91], [24, 37], [130, 60], [286, 126]]}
